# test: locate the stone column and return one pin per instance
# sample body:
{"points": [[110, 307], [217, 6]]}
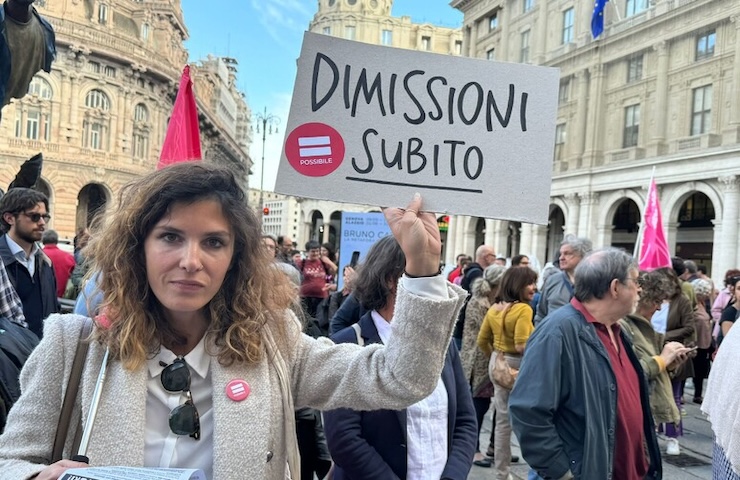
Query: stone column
{"points": [[573, 214], [451, 247], [730, 201], [490, 232], [732, 135], [539, 242], [585, 227], [461, 243], [603, 236], [577, 134], [718, 269], [64, 104], [540, 53], [595, 124], [505, 31], [117, 142], [525, 239], [74, 107], [671, 232], [502, 237], [660, 112]]}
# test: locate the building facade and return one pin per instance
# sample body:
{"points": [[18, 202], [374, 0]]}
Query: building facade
{"points": [[370, 21], [101, 115], [658, 91], [303, 219]]}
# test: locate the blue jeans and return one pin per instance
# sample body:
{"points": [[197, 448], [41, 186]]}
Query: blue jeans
{"points": [[533, 475]]}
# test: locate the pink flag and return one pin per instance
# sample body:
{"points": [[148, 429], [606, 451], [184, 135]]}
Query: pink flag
{"points": [[654, 252], [182, 141]]}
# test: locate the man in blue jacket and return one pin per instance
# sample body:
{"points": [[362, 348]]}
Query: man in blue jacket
{"points": [[580, 406], [27, 45]]}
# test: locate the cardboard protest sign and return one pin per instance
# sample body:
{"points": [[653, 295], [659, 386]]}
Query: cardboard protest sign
{"points": [[373, 125], [359, 232]]}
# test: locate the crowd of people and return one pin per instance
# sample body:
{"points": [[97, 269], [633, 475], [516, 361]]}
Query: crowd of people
{"points": [[389, 376]]}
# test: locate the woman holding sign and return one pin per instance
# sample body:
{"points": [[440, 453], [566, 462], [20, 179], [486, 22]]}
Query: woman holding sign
{"points": [[207, 362]]}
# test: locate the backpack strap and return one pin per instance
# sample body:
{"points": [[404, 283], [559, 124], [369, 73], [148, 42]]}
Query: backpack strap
{"points": [[360, 340], [70, 394]]}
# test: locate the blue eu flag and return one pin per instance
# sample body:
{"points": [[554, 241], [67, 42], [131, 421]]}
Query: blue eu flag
{"points": [[597, 19]]}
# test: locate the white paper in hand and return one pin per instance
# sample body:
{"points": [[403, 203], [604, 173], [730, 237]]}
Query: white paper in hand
{"points": [[131, 473]]}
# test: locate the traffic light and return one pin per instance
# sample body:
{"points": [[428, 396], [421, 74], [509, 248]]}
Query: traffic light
{"points": [[265, 211]]}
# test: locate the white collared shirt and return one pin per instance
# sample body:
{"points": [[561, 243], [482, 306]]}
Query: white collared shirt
{"points": [[426, 424], [20, 254], [163, 448]]}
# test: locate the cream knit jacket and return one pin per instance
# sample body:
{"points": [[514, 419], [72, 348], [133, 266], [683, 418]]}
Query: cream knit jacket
{"points": [[249, 439]]}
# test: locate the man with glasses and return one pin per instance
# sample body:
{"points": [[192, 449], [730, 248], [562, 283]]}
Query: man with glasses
{"points": [[24, 218], [557, 290], [285, 247], [580, 405]]}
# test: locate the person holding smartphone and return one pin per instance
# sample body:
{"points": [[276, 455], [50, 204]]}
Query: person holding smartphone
{"points": [[656, 359]]}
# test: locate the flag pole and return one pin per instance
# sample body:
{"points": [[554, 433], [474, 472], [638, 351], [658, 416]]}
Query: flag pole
{"points": [[619, 19], [641, 230]]}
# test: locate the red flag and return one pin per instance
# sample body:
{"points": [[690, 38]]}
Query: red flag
{"points": [[182, 141], [654, 252]]}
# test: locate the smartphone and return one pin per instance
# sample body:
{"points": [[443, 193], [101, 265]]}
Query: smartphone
{"points": [[355, 259]]}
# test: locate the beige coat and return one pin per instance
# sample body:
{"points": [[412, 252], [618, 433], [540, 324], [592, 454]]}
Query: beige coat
{"points": [[474, 360], [249, 439]]}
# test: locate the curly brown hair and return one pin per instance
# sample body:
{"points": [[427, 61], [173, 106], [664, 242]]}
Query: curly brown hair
{"points": [[655, 287], [252, 296]]}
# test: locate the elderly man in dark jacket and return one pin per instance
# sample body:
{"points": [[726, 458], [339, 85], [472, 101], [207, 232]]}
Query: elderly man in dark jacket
{"points": [[580, 405], [27, 45]]}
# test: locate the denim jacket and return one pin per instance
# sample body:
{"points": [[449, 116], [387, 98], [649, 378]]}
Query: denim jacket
{"points": [[563, 408], [5, 60]]}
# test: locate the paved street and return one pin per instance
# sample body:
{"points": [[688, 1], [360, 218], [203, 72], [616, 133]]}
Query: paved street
{"points": [[693, 463]]}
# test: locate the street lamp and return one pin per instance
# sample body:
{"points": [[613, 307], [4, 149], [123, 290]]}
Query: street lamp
{"points": [[269, 122]]}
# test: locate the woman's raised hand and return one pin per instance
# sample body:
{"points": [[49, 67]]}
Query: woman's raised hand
{"points": [[417, 233]]}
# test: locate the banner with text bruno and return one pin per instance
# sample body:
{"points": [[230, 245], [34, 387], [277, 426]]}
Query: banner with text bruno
{"points": [[373, 125], [359, 232]]}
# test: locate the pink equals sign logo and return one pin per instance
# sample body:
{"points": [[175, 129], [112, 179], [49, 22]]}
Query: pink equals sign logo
{"points": [[314, 146]]}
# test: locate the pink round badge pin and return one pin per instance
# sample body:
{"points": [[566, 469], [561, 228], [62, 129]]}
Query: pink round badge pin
{"points": [[238, 390]]}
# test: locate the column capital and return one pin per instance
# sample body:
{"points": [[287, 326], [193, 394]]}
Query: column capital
{"points": [[661, 47], [736, 20], [729, 183], [571, 198], [589, 198]]}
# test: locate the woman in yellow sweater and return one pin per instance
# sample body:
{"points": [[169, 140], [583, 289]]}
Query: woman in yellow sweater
{"points": [[506, 328]]}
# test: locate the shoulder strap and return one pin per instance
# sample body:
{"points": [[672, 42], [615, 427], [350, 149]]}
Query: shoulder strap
{"points": [[70, 394], [360, 340]]}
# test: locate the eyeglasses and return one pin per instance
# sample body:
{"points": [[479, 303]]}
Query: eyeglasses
{"points": [[35, 217], [184, 419]]}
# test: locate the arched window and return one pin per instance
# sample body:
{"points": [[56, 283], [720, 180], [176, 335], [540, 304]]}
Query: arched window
{"points": [[97, 99], [33, 112], [141, 114], [145, 31], [96, 123], [40, 87], [140, 135]]}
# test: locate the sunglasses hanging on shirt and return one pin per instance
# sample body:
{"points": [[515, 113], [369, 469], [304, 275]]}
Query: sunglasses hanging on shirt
{"points": [[184, 419]]}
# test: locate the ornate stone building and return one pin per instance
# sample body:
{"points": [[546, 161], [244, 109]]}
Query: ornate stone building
{"points": [[100, 117], [659, 89], [370, 21]]}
